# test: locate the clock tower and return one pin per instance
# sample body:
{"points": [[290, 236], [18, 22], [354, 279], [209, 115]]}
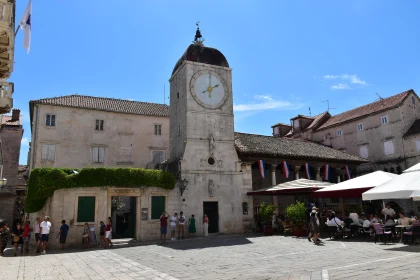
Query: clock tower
{"points": [[202, 138]]}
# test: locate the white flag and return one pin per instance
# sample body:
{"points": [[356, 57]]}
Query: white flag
{"points": [[26, 25]]}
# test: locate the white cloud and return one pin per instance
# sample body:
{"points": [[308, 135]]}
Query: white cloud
{"points": [[340, 86], [25, 141], [346, 78], [265, 102]]}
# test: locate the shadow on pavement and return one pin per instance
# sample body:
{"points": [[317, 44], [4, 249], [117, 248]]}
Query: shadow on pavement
{"points": [[408, 248]]}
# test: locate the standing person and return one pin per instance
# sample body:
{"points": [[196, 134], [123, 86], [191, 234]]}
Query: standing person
{"points": [[45, 232], [108, 232], [314, 227], [86, 239], [17, 238], [173, 221], [102, 231], [191, 223], [38, 241], [206, 225], [26, 235], [163, 226], [388, 211], [4, 236], [181, 224], [64, 230]]}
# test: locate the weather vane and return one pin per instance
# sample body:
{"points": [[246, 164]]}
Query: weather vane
{"points": [[198, 39]]}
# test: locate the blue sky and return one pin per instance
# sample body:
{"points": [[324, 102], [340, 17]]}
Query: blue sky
{"points": [[286, 55]]}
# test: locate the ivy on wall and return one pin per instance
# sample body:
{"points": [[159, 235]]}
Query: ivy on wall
{"points": [[44, 181]]}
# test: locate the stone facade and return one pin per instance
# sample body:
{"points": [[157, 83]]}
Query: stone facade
{"points": [[128, 140], [202, 141], [383, 143]]}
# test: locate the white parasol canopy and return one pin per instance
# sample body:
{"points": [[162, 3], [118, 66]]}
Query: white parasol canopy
{"points": [[415, 167], [356, 186], [403, 186]]}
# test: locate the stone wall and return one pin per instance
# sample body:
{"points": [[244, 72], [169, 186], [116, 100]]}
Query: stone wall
{"points": [[7, 205]]}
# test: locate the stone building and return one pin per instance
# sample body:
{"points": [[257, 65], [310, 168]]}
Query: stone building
{"points": [[214, 166], [11, 132], [385, 132], [110, 132]]}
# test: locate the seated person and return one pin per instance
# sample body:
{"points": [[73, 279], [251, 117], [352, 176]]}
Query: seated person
{"points": [[334, 221], [366, 223], [403, 220], [389, 222], [374, 219], [354, 216]]}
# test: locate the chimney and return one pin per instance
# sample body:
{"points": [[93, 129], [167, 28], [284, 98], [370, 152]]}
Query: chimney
{"points": [[15, 115]]}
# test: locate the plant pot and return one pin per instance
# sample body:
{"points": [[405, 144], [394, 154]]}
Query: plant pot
{"points": [[298, 231], [268, 230]]}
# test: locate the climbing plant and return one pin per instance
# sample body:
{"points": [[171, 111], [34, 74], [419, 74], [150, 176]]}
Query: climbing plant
{"points": [[44, 181]]}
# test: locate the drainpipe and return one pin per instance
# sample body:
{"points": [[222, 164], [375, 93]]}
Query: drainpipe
{"points": [[33, 144]]}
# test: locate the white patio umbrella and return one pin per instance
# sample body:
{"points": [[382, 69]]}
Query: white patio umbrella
{"points": [[403, 186], [413, 168], [354, 188]]}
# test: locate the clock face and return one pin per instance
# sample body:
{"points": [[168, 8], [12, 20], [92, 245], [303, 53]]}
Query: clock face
{"points": [[208, 89]]}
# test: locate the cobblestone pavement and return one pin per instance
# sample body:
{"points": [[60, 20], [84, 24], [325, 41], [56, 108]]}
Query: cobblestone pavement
{"points": [[227, 257]]}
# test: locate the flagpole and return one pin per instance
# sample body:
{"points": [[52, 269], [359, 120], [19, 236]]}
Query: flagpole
{"points": [[17, 30]]}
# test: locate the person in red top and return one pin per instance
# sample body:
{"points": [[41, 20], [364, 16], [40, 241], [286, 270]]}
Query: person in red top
{"points": [[108, 232], [206, 225], [163, 226], [26, 235]]}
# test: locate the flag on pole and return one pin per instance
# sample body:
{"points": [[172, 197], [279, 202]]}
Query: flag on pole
{"points": [[348, 172], [26, 25], [285, 169], [308, 171], [327, 168], [261, 166]]}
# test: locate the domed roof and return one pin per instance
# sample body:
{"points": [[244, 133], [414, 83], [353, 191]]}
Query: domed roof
{"points": [[199, 53]]}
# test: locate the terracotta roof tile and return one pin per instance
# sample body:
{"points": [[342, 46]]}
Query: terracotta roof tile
{"points": [[287, 148], [371, 108], [414, 129], [107, 104], [7, 120]]}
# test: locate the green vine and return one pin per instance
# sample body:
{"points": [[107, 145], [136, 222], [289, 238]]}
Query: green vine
{"points": [[44, 181]]}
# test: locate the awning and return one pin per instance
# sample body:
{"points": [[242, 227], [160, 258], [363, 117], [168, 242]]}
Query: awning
{"points": [[292, 187], [354, 188], [403, 186], [413, 168]]}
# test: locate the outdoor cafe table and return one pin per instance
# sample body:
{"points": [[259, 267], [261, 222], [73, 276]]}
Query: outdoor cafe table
{"points": [[401, 227]]}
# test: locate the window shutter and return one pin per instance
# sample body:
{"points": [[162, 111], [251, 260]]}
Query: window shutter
{"points": [[44, 154], [101, 154], [388, 148], [48, 120], [418, 145], [86, 209], [158, 206], [95, 155], [364, 153], [51, 152], [52, 120]]}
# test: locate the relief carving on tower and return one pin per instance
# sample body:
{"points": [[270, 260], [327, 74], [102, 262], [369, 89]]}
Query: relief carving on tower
{"points": [[211, 144], [211, 187]]}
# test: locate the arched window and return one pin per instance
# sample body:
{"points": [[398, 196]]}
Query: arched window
{"points": [[399, 171], [386, 169], [392, 170], [413, 100]]}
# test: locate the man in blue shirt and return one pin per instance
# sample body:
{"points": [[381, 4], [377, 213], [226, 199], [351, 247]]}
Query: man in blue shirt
{"points": [[64, 230]]}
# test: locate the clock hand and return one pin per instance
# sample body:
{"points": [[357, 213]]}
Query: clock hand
{"points": [[215, 86]]}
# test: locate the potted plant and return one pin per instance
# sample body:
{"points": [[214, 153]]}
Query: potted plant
{"points": [[266, 212], [298, 214]]}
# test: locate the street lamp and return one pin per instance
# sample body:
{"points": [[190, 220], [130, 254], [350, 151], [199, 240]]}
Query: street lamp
{"points": [[3, 182], [183, 185]]}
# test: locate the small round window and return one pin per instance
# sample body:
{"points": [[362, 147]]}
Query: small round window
{"points": [[211, 161]]}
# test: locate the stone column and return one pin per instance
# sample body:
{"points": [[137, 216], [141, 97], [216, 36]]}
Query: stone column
{"points": [[273, 175], [318, 173], [297, 169], [338, 171]]}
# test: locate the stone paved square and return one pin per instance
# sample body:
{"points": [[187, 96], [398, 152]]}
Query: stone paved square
{"points": [[224, 257]]}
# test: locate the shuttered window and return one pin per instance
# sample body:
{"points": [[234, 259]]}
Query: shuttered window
{"points": [[86, 209], [388, 148], [98, 154], [158, 206], [158, 157], [364, 152], [50, 120], [48, 152], [418, 145]]}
